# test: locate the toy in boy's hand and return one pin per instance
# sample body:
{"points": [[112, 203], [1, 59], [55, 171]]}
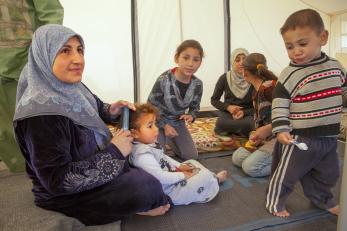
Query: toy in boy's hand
{"points": [[125, 118]]}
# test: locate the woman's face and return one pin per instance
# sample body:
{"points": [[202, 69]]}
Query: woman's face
{"points": [[68, 65], [237, 64]]}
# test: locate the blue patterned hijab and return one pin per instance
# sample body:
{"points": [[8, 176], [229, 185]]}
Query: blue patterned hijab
{"points": [[39, 92]]}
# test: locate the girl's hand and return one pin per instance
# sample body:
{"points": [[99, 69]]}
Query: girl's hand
{"points": [[233, 109], [238, 115], [170, 131], [255, 138], [122, 140], [187, 118], [284, 137], [260, 134], [116, 108]]}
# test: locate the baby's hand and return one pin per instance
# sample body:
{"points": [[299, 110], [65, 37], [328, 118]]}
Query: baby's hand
{"points": [[189, 174], [186, 167], [284, 137]]}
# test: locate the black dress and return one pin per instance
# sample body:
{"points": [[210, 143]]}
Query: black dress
{"points": [[225, 124]]}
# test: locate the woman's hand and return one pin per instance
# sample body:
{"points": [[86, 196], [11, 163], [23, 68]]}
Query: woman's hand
{"points": [[284, 137], [122, 140], [170, 131], [187, 118], [116, 108], [238, 115], [233, 109]]}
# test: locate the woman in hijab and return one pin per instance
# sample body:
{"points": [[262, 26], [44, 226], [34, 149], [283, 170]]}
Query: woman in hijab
{"points": [[236, 112], [75, 165]]}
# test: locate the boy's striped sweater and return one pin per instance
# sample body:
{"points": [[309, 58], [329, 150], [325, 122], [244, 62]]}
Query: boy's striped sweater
{"points": [[307, 98]]}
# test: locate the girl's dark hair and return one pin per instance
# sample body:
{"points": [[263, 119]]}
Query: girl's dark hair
{"points": [[255, 63], [191, 43], [141, 109], [302, 18]]}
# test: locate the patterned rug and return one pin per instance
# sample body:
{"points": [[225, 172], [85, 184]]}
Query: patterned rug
{"points": [[202, 131]]}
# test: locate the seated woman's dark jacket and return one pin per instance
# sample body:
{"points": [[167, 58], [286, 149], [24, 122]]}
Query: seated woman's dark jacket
{"points": [[222, 87], [63, 158]]}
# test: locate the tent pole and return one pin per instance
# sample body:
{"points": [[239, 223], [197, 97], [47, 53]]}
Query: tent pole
{"points": [[135, 51], [226, 4], [342, 222], [180, 18]]}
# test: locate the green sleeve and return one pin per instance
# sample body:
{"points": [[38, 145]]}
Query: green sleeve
{"points": [[48, 12]]}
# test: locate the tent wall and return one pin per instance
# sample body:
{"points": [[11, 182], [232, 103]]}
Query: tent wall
{"points": [[106, 28], [255, 26], [162, 25]]}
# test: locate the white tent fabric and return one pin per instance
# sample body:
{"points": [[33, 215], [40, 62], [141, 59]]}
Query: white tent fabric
{"points": [[162, 25], [106, 28]]}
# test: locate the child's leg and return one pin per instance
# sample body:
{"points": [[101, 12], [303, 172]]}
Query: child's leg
{"points": [[183, 144], [200, 188], [258, 164], [221, 176], [317, 183], [239, 155], [292, 164]]}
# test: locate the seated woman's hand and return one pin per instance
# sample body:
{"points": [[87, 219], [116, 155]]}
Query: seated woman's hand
{"points": [[115, 108], [238, 115], [233, 109], [123, 141], [170, 131], [187, 118]]}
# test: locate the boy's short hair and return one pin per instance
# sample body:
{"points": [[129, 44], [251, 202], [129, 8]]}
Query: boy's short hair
{"points": [[141, 109], [303, 18]]}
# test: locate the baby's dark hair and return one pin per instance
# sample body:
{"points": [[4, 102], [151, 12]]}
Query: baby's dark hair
{"points": [[303, 18], [141, 109], [255, 63], [191, 43]]}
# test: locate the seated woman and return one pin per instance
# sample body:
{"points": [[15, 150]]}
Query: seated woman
{"points": [[76, 167], [236, 112], [258, 163]]}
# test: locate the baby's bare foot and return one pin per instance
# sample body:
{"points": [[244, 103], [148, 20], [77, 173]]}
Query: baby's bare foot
{"points": [[222, 175], [334, 210], [283, 213], [161, 210]]}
